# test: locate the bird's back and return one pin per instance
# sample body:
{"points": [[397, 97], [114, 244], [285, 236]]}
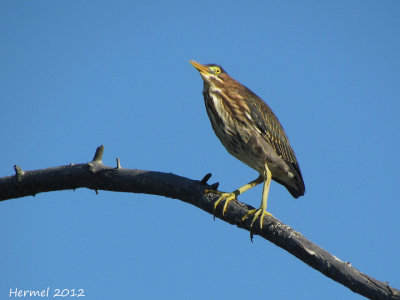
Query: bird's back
{"points": [[269, 127]]}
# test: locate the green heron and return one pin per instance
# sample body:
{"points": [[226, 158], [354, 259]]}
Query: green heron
{"points": [[251, 132]]}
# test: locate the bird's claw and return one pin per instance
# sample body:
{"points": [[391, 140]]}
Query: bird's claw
{"points": [[257, 213], [227, 197]]}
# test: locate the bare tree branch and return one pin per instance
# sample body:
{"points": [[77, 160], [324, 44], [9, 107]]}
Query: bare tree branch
{"points": [[96, 176]]}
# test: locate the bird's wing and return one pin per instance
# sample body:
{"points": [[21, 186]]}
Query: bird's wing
{"points": [[268, 125], [270, 128]]}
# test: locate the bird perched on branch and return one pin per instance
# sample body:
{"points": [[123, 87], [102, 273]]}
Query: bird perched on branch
{"points": [[251, 132]]}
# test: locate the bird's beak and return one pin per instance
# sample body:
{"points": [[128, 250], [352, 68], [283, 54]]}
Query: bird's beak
{"points": [[201, 68]]}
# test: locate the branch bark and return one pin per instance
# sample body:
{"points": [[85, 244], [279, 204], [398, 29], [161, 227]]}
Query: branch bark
{"points": [[97, 176]]}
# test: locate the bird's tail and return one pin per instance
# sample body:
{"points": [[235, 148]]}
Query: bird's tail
{"points": [[296, 185], [297, 188]]}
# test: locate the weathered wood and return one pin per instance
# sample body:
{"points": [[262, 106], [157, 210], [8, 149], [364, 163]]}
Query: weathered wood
{"points": [[96, 176]]}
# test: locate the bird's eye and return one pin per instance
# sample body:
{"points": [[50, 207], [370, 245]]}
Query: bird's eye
{"points": [[216, 70]]}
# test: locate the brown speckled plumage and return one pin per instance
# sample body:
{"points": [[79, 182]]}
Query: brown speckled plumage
{"points": [[250, 131]]}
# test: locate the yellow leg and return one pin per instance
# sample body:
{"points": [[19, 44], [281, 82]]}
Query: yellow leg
{"points": [[262, 211], [227, 197]]}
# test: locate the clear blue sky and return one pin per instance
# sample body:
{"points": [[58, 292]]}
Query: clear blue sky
{"points": [[78, 74]]}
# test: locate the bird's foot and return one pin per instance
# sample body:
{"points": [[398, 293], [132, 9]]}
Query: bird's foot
{"points": [[257, 213], [226, 197]]}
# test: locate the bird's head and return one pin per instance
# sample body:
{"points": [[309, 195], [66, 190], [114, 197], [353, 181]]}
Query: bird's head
{"points": [[212, 74]]}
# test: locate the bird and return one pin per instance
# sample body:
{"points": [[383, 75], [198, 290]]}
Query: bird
{"points": [[251, 132]]}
